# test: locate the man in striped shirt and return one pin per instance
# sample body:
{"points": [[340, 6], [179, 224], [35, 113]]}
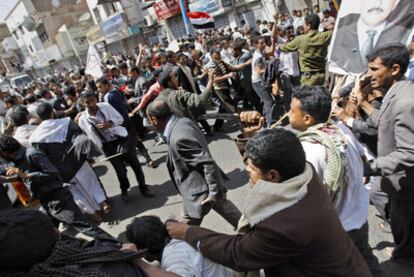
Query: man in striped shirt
{"points": [[223, 72]]}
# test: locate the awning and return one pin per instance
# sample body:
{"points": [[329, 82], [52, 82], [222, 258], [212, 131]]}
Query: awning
{"points": [[100, 2]]}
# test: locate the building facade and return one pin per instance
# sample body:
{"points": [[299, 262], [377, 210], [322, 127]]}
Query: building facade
{"points": [[34, 26]]}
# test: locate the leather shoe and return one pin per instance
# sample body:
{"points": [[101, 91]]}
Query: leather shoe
{"points": [[145, 190], [124, 195]]}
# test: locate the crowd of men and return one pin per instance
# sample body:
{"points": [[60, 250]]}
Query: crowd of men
{"points": [[312, 177]]}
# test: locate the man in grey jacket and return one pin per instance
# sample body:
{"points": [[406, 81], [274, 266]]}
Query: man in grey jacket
{"points": [[395, 162], [192, 169]]}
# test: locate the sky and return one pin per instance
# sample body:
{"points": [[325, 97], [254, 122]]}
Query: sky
{"points": [[5, 7]]}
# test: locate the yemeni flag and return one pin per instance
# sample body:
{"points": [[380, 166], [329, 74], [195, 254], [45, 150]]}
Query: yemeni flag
{"points": [[201, 20]]}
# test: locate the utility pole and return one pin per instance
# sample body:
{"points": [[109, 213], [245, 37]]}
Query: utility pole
{"points": [[186, 20]]}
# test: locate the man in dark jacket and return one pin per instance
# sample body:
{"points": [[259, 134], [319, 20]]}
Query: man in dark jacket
{"points": [[45, 181], [292, 228], [193, 171], [31, 246]]}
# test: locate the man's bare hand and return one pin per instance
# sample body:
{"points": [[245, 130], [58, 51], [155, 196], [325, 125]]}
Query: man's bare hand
{"points": [[16, 171], [104, 125], [176, 230], [208, 200], [129, 247], [340, 114], [252, 122]]}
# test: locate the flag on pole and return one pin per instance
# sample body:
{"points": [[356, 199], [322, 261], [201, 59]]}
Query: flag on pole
{"points": [[201, 20], [93, 63]]}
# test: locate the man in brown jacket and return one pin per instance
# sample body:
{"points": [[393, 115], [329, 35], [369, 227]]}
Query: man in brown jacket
{"points": [[293, 229]]}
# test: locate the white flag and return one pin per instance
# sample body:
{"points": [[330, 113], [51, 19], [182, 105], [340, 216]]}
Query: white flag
{"points": [[93, 63]]}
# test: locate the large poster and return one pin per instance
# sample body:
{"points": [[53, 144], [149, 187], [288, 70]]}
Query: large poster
{"points": [[114, 28], [365, 24]]}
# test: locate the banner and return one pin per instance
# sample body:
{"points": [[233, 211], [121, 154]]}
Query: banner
{"points": [[364, 25], [114, 28], [201, 20], [93, 63]]}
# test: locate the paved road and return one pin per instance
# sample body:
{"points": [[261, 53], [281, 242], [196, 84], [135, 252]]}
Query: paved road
{"points": [[167, 203]]}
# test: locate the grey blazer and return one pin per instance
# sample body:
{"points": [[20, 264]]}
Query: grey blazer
{"points": [[192, 169], [396, 141]]}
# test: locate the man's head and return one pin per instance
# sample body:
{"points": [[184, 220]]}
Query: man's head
{"points": [[387, 65], [30, 99], [238, 47], [45, 111], [115, 72], [27, 237], [312, 22], [9, 147], [375, 12], [9, 102], [274, 155], [290, 33], [316, 9], [44, 93], [103, 85], [89, 101], [182, 59], [260, 43], [310, 105], [134, 73], [124, 68], [70, 92], [168, 78], [215, 53], [171, 57], [158, 114], [225, 42], [20, 116], [148, 232], [326, 13]]}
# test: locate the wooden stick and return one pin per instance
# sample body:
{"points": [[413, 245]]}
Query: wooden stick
{"points": [[279, 121], [110, 157]]}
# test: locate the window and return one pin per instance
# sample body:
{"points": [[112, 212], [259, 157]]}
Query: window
{"points": [[30, 48], [15, 34], [97, 15], [114, 7], [21, 29], [42, 34]]}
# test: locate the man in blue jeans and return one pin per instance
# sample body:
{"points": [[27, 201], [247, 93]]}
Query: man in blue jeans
{"points": [[258, 70]]}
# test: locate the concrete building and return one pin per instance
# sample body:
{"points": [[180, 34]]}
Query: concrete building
{"points": [[4, 33], [34, 26], [118, 25]]}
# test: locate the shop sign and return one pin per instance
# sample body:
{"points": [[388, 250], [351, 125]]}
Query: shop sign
{"points": [[208, 6], [166, 8], [114, 28]]}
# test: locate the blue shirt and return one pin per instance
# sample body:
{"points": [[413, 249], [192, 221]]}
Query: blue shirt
{"points": [[167, 129]]}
